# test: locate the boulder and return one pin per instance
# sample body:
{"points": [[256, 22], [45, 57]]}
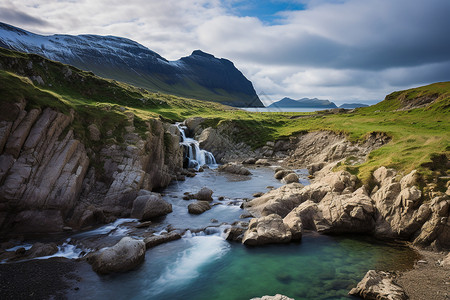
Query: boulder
{"points": [[267, 230], [249, 161], [280, 174], [198, 207], [290, 178], [150, 206], [262, 162], [378, 285], [235, 233], [276, 297], [126, 255], [234, 169], [156, 240], [204, 194]]}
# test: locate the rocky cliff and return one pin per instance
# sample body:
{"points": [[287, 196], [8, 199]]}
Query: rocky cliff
{"points": [[200, 75], [50, 178]]}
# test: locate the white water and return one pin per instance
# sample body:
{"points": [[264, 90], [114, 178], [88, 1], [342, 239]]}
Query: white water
{"points": [[68, 251], [202, 250], [112, 229], [197, 157]]}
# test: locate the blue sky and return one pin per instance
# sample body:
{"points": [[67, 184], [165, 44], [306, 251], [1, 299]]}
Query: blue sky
{"points": [[341, 50], [266, 11]]}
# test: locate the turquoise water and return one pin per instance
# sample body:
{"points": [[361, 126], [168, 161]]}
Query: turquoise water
{"points": [[206, 266]]}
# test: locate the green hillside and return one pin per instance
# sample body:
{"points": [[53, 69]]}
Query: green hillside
{"points": [[420, 136]]}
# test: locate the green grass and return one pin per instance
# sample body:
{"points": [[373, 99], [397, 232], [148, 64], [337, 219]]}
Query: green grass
{"points": [[418, 135]]}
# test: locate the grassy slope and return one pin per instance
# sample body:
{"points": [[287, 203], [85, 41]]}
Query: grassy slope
{"points": [[418, 135]]}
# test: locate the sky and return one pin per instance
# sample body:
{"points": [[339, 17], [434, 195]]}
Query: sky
{"points": [[341, 50]]}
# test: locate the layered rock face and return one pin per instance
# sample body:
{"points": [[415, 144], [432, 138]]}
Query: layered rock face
{"points": [[47, 177]]}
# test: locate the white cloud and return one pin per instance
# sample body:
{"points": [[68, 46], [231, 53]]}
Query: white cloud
{"points": [[336, 49]]}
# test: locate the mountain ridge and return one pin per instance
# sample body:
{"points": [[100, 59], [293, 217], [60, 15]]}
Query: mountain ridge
{"points": [[303, 102], [200, 75]]}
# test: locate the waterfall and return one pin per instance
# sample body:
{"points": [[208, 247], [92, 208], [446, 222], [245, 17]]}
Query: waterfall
{"points": [[195, 156]]}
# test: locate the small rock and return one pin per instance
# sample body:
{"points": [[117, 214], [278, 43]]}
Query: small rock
{"points": [[258, 194], [156, 240], [262, 162], [198, 207], [290, 178], [214, 221], [204, 194], [144, 224], [249, 161]]}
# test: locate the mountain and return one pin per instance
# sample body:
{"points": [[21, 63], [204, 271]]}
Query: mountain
{"points": [[200, 75], [304, 102], [352, 105]]}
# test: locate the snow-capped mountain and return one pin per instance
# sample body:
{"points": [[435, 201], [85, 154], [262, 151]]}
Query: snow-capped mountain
{"points": [[200, 75]]}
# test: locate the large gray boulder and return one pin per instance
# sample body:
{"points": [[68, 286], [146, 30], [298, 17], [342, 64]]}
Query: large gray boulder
{"points": [[377, 286], [267, 230], [126, 255], [152, 205]]}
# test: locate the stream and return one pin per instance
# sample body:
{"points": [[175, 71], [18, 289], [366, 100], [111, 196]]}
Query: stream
{"points": [[204, 265]]}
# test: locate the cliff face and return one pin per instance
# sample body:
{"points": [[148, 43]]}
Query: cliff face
{"points": [[50, 179]]}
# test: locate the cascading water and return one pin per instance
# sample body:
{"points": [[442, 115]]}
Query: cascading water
{"points": [[195, 157]]}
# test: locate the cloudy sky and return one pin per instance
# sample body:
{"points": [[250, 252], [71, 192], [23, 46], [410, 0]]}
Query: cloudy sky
{"points": [[342, 50]]}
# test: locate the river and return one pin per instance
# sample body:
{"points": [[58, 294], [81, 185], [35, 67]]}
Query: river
{"points": [[204, 265]]}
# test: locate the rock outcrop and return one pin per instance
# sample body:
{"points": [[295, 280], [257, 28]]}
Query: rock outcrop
{"points": [[316, 148], [378, 285], [124, 256], [334, 204], [49, 178]]}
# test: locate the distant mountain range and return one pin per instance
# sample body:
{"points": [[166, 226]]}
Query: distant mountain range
{"points": [[304, 102], [200, 75], [311, 103]]}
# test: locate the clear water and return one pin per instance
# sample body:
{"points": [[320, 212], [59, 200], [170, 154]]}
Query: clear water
{"points": [[205, 266]]}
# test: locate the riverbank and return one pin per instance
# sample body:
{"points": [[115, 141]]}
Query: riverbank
{"points": [[39, 279], [429, 279]]}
